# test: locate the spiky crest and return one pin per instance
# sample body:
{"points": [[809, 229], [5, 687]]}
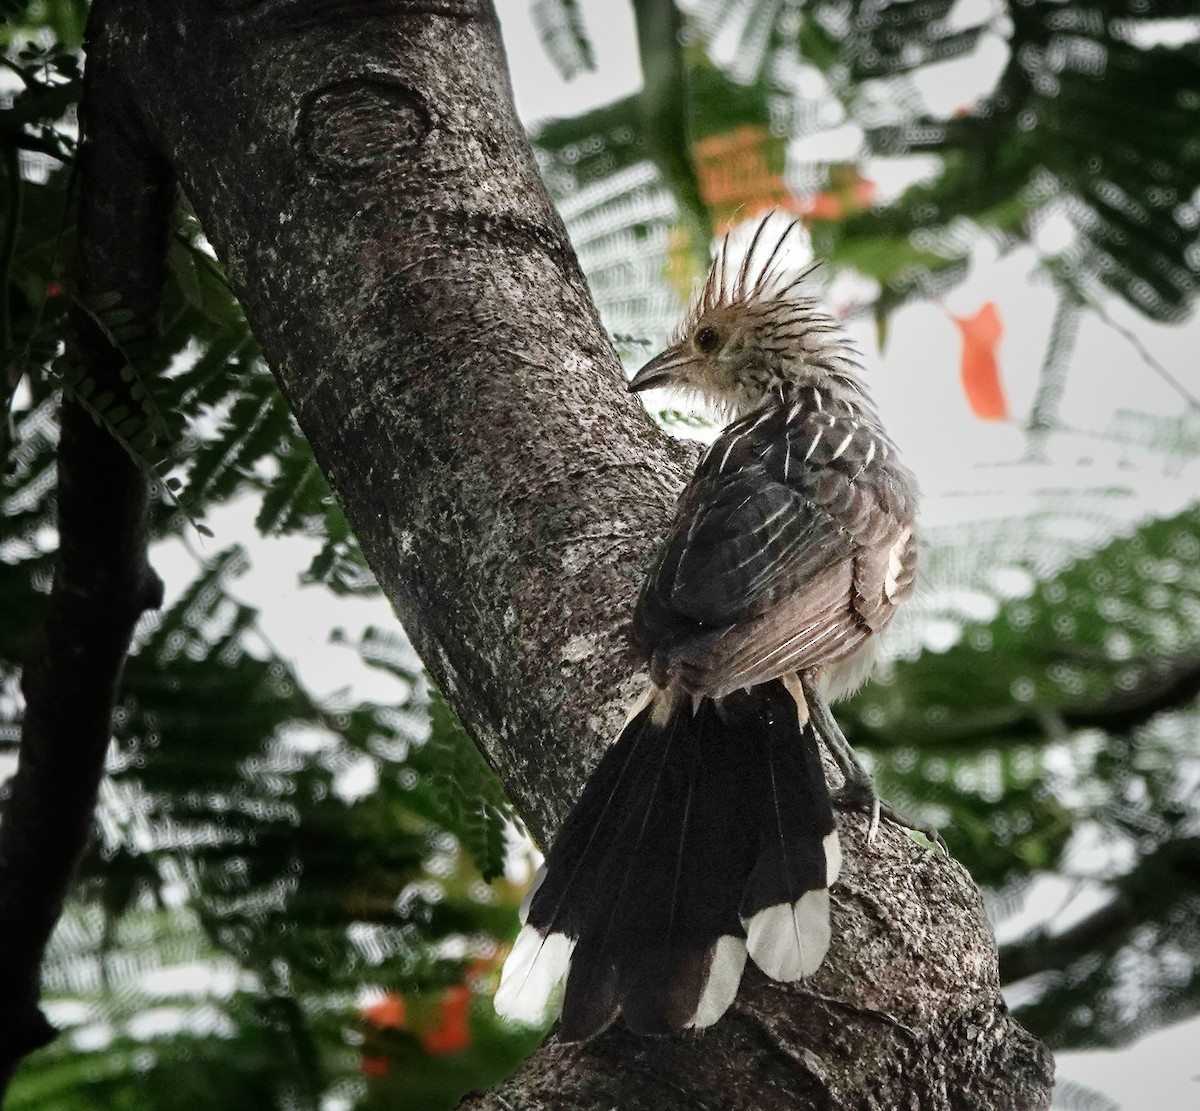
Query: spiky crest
{"points": [[775, 330], [751, 281]]}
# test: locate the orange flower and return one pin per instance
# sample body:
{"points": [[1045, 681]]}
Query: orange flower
{"points": [[452, 1034], [388, 1012], [741, 172], [822, 206], [375, 1066], [849, 192], [980, 367]]}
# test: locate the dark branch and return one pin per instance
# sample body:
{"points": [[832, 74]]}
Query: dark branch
{"points": [[1170, 684], [102, 581], [1165, 879], [662, 105]]}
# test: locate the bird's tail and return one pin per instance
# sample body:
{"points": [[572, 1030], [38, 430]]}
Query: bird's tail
{"points": [[705, 834]]}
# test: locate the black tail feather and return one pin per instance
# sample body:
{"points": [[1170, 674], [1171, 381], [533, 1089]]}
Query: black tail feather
{"points": [[785, 904], [699, 824], [593, 996]]}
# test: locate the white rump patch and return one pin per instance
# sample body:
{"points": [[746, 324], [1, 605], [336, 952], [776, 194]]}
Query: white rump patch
{"points": [[533, 970], [833, 858], [724, 976], [896, 556], [789, 940]]}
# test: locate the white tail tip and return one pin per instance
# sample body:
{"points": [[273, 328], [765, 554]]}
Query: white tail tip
{"points": [[788, 941], [724, 975], [833, 858], [532, 972]]}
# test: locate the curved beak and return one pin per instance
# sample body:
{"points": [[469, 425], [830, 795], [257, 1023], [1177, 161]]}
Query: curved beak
{"points": [[659, 371]]}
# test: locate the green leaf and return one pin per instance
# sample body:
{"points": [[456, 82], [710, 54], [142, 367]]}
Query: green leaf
{"points": [[563, 35]]}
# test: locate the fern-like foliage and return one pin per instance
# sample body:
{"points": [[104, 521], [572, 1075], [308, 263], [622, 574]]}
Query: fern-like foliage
{"points": [[301, 849], [1085, 122], [133, 417], [563, 34]]}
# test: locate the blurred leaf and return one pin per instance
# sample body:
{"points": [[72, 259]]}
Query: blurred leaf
{"points": [[564, 37], [980, 364], [663, 112]]}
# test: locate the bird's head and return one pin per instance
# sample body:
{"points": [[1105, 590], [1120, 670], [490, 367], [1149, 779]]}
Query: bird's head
{"points": [[756, 329]]}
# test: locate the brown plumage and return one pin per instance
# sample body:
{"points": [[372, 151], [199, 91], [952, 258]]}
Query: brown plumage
{"points": [[795, 540], [790, 550], [706, 834]]}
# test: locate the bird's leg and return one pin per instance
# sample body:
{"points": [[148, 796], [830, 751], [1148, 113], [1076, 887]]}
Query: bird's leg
{"points": [[858, 791]]}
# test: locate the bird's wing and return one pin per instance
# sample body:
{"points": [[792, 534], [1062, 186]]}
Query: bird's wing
{"points": [[783, 553]]}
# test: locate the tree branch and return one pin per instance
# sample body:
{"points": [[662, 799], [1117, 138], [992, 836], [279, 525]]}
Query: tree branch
{"points": [[1164, 878], [1169, 684], [102, 581], [360, 170]]}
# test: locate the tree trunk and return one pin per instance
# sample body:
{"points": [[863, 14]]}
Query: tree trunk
{"points": [[358, 166]]}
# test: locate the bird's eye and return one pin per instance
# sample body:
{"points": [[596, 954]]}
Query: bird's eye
{"points": [[706, 339]]}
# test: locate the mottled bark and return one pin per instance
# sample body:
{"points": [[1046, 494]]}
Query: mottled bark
{"points": [[359, 168], [360, 171]]}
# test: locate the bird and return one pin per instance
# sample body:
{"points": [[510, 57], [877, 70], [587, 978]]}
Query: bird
{"points": [[705, 837]]}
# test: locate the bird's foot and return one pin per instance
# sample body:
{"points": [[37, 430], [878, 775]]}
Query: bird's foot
{"points": [[860, 794]]}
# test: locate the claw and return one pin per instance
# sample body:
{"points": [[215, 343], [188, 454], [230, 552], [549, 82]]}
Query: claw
{"points": [[923, 828], [860, 794], [873, 824]]}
